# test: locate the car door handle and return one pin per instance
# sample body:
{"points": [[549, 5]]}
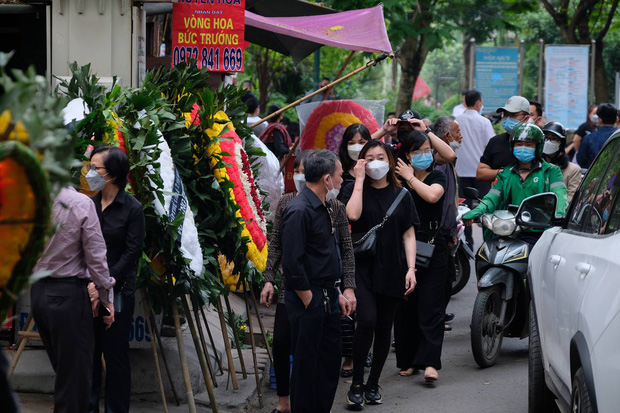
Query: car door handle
{"points": [[583, 268], [556, 259]]}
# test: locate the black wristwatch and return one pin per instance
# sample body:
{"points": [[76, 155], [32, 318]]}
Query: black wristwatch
{"points": [[428, 130]]}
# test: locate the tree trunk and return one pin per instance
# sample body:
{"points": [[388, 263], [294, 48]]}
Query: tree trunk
{"points": [[264, 72], [601, 87], [466, 62], [412, 57]]}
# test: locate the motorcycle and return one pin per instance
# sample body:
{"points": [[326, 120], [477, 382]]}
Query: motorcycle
{"points": [[501, 308], [461, 253]]}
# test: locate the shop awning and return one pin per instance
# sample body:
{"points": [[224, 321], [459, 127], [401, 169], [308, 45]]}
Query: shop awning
{"points": [[362, 30]]}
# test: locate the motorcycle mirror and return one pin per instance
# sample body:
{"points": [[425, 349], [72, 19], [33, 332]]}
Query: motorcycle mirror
{"points": [[537, 211], [471, 193]]}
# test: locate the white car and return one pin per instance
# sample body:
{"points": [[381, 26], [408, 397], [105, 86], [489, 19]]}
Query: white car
{"points": [[574, 270]]}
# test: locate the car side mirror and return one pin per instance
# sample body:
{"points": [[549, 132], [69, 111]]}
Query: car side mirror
{"points": [[537, 211], [471, 193]]}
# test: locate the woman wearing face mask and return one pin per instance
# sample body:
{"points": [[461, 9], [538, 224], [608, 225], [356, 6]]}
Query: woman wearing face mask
{"points": [[282, 327], [586, 128], [353, 140], [382, 279], [122, 223], [419, 324], [554, 152]]}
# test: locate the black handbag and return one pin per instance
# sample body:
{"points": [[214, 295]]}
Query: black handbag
{"points": [[366, 244], [424, 253]]}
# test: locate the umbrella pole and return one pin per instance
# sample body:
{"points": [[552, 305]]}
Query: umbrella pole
{"points": [[344, 66], [374, 62]]}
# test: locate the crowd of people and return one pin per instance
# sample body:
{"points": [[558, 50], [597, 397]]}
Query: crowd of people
{"points": [[364, 240]]}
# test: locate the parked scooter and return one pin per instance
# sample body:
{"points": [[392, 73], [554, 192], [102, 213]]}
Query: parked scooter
{"points": [[502, 304], [461, 253]]}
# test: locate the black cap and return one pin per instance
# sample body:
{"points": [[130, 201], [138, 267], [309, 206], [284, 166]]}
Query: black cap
{"points": [[408, 114]]}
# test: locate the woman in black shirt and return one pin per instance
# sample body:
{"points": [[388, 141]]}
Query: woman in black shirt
{"points": [[386, 277], [353, 140], [419, 324], [122, 223]]}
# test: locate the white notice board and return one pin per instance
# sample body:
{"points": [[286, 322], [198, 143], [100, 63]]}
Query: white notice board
{"points": [[566, 84]]}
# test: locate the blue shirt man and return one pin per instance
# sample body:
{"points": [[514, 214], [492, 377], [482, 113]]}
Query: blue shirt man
{"points": [[593, 143]]}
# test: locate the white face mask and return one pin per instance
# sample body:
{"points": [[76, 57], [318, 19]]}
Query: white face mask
{"points": [[331, 194], [95, 180], [551, 147], [354, 151], [377, 169], [455, 145], [531, 121], [300, 181]]}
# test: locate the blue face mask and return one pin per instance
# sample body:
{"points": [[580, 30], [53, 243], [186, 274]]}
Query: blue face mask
{"points": [[509, 124], [422, 162], [524, 154]]}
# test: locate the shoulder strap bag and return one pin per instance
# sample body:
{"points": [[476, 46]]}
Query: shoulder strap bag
{"points": [[365, 244]]}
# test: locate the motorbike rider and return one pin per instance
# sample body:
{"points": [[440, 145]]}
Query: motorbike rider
{"points": [[528, 175], [554, 151]]}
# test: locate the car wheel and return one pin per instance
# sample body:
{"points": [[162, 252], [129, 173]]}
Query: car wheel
{"points": [[462, 270], [540, 398], [486, 336], [580, 398]]}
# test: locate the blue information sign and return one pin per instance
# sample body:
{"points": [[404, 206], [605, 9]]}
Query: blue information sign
{"points": [[497, 75]]}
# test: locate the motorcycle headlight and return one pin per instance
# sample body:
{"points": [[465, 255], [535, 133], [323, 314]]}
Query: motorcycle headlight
{"points": [[487, 221], [503, 227]]}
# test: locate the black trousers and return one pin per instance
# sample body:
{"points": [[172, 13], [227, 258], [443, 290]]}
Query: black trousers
{"points": [[375, 316], [282, 351], [64, 318], [315, 339], [419, 323], [483, 188], [114, 344]]}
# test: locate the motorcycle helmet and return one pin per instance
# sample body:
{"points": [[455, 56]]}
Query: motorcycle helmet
{"points": [[557, 129], [526, 132]]}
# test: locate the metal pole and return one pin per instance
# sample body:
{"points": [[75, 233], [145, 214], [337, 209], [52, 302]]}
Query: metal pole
{"points": [[521, 64], [472, 62], [592, 69], [541, 55]]}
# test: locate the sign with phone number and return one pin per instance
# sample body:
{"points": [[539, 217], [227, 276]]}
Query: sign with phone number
{"points": [[230, 59], [210, 32]]}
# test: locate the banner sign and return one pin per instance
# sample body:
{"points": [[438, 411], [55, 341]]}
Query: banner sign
{"points": [[212, 32], [497, 75], [566, 84]]}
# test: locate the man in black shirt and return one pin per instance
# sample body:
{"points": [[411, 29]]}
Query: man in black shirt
{"points": [[498, 154], [312, 269]]}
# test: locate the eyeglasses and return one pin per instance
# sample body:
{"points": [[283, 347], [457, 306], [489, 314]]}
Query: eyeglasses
{"points": [[95, 168], [422, 152]]}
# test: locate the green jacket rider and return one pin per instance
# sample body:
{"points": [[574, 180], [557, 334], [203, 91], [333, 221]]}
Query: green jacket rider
{"points": [[529, 175]]}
